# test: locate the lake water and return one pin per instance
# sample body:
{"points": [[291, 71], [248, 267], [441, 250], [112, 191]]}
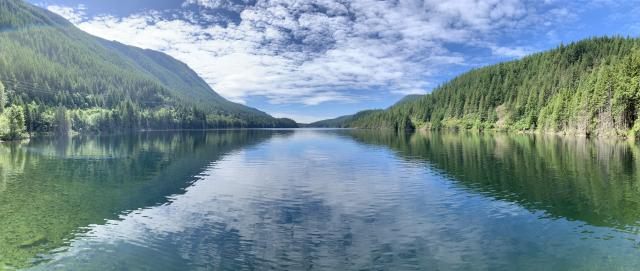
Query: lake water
{"points": [[319, 200]]}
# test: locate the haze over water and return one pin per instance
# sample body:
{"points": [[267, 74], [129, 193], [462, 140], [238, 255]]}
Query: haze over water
{"points": [[319, 200]]}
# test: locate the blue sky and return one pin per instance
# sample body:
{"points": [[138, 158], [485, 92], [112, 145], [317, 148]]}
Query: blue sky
{"points": [[317, 59]]}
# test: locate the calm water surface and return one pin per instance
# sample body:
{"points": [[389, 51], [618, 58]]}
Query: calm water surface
{"points": [[319, 200]]}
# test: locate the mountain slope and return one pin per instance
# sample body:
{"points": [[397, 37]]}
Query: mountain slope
{"points": [[345, 121], [341, 122], [47, 62], [408, 98], [331, 123], [588, 88]]}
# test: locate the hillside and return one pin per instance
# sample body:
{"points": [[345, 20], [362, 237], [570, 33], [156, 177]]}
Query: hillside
{"points": [[408, 98], [52, 71], [591, 87], [345, 121], [340, 122]]}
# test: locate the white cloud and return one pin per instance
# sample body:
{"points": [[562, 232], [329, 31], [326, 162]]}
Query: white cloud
{"points": [[310, 52], [214, 4], [516, 52], [74, 15]]}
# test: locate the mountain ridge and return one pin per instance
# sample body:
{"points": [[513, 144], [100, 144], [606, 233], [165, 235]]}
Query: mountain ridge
{"points": [[342, 121], [49, 66], [587, 88]]}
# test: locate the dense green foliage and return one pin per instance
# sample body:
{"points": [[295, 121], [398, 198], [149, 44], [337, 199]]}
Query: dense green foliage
{"points": [[590, 87], [48, 65]]}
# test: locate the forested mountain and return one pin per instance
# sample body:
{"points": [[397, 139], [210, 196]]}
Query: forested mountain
{"points": [[408, 98], [345, 121], [340, 122], [54, 77], [331, 123], [591, 87]]}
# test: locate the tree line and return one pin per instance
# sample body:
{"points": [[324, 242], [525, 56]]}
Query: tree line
{"points": [[591, 87], [58, 79], [19, 119]]}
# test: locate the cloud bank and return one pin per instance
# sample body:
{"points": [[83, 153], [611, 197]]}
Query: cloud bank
{"points": [[312, 52]]}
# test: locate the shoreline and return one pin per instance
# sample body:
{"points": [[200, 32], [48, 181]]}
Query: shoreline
{"points": [[568, 135]]}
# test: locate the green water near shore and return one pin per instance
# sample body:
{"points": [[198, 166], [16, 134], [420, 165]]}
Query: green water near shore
{"points": [[319, 199]]}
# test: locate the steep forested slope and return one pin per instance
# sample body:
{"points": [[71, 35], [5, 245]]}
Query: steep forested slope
{"points": [[341, 122], [591, 87], [346, 121], [59, 76]]}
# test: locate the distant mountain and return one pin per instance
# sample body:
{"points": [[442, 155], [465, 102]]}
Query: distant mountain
{"points": [[338, 122], [346, 121], [343, 121], [591, 87], [408, 98], [46, 64]]}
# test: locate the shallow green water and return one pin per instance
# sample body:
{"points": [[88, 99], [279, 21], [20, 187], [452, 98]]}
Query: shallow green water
{"points": [[319, 200]]}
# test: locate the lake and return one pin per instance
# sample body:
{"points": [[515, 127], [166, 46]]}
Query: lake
{"points": [[319, 200]]}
